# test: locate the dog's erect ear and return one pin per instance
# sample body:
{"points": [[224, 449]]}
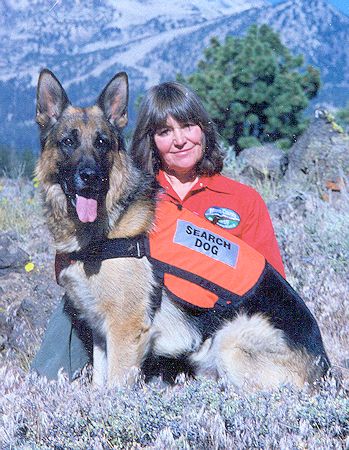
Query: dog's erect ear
{"points": [[114, 100], [51, 99]]}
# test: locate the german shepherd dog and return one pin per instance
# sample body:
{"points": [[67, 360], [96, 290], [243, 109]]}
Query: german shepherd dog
{"points": [[92, 191]]}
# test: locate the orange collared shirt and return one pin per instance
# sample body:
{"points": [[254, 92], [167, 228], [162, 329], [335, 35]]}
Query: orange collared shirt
{"points": [[218, 195]]}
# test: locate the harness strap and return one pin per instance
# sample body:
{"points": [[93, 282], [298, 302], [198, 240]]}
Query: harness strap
{"points": [[138, 247], [225, 297], [112, 248]]}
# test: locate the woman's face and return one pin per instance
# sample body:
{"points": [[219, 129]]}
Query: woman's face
{"points": [[179, 145]]}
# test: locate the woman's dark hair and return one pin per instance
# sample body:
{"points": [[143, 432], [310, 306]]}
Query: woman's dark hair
{"points": [[176, 100]]}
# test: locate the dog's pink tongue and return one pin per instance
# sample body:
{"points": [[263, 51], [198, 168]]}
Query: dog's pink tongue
{"points": [[86, 209]]}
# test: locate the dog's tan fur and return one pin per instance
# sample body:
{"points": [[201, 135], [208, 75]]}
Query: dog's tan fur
{"points": [[250, 351], [116, 302], [247, 351], [114, 296]]}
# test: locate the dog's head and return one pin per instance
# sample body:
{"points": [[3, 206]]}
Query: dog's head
{"points": [[79, 145]]}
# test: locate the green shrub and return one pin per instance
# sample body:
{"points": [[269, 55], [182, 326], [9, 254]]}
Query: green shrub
{"points": [[16, 164], [248, 142]]}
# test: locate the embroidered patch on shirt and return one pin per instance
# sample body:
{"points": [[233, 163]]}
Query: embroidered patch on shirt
{"points": [[223, 217], [206, 242]]}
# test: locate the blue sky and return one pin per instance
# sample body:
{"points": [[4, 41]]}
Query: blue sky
{"points": [[342, 5]]}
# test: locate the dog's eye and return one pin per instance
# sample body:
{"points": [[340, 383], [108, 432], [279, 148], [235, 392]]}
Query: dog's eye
{"points": [[102, 143], [67, 142]]}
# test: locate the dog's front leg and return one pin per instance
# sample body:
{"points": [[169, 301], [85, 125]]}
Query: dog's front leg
{"points": [[126, 347], [99, 365]]}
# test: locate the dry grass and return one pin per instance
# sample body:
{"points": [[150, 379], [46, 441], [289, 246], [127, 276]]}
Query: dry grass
{"points": [[198, 414], [192, 414], [19, 204]]}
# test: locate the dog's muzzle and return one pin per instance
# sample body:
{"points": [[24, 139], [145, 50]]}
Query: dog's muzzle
{"points": [[85, 191]]}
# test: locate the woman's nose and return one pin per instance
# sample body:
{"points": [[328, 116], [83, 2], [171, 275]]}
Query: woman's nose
{"points": [[179, 136]]}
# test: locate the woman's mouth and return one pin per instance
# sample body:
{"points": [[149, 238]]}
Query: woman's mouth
{"points": [[184, 150]]}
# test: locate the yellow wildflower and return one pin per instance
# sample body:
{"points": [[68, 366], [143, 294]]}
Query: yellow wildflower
{"points": [[29, 267]]}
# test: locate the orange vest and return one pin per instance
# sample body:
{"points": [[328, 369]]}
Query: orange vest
{"points": [[198, 262], [185, 242]]}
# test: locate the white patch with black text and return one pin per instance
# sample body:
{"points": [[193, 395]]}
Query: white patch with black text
{"points": [[206, 242]]}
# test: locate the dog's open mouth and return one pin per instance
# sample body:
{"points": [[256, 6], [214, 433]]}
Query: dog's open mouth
{"points": [[85, 200], [86, 209]]}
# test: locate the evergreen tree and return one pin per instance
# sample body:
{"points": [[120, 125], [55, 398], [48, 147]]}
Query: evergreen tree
{"points": [[342, 116], [254, 88]]}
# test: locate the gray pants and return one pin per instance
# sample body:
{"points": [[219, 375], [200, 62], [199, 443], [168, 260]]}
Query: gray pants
{"points": [[67, 344]]}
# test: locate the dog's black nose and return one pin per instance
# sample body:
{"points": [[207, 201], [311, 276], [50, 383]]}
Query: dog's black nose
{"points": [[88, 175]]}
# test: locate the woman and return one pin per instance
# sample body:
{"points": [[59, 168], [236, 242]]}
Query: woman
{"points": [[175, 140]]}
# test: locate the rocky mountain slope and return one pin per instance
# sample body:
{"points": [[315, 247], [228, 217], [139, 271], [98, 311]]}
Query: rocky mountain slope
{"points": [[86, 43]]}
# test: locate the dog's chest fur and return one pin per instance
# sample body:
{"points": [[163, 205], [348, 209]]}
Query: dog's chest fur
{"points": [[173, 334], [124, 286], [120, 288]]}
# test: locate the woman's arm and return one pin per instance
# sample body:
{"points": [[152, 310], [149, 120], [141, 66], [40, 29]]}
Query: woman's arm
{"points": [[258, 232]]}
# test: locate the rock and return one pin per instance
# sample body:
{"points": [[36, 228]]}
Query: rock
{"points": [[12, 257], [264, 161], [294, 204], [5, 330], [320, 157]]}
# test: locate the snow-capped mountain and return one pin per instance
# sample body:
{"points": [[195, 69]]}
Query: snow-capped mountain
{"points": [[131, 12], [85, 42]]}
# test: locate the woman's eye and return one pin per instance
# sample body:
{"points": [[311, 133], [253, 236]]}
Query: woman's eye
{"points": [[163, 132]]}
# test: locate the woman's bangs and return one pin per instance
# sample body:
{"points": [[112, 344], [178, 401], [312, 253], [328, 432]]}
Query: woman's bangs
{"points": [[182, 110], [158, 119], [173, 106]]}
